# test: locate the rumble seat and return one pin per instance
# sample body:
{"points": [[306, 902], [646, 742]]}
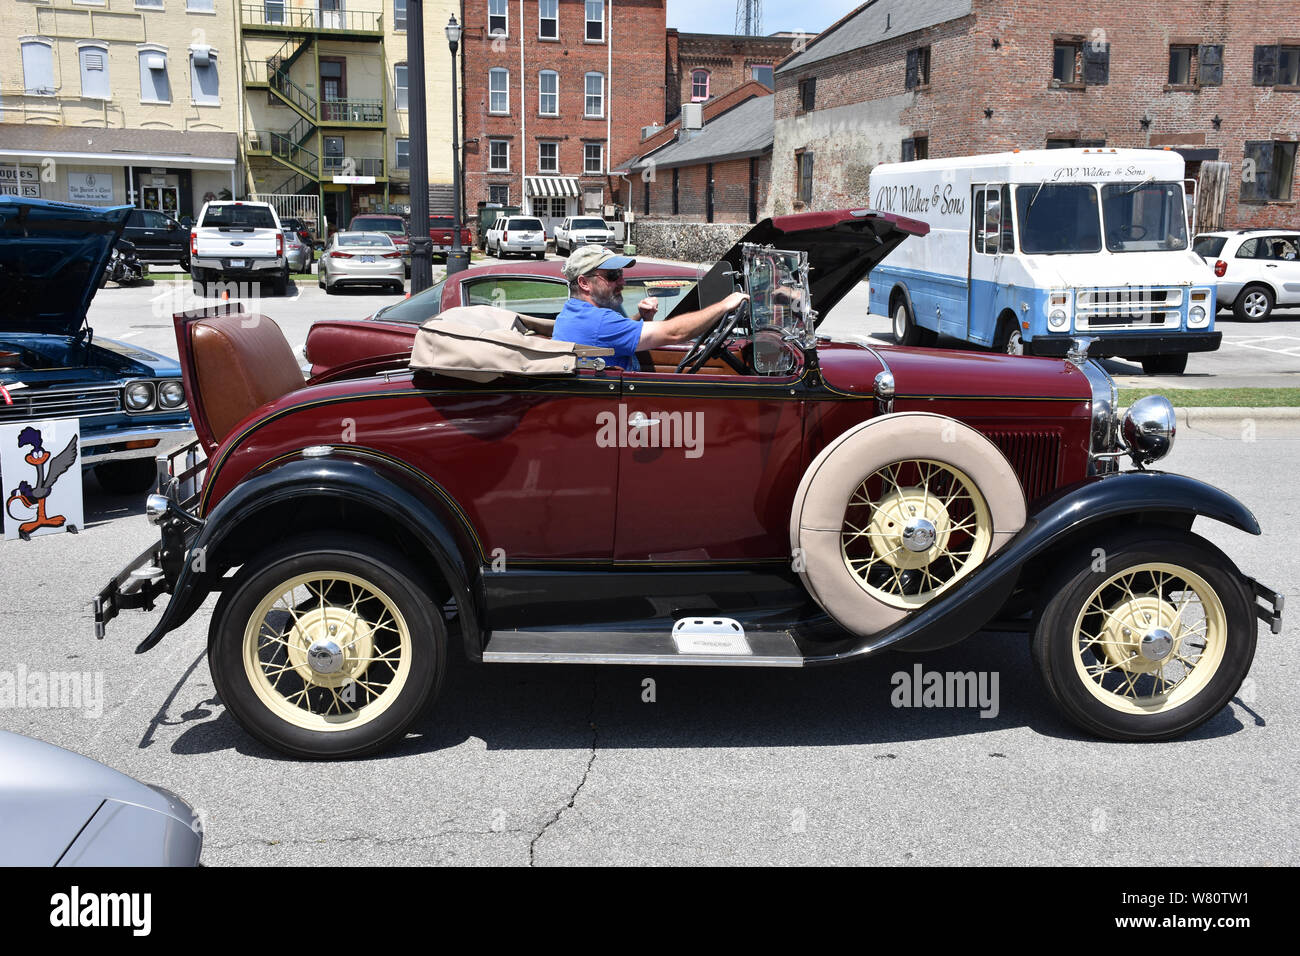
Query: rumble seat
{"points": [[241, 363]]}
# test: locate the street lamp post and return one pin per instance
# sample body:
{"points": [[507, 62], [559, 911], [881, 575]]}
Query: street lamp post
{"points": [[458, 258], [421, 242]]}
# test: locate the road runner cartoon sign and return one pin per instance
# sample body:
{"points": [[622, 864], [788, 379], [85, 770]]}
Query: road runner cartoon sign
{"points": [[41, 486]]}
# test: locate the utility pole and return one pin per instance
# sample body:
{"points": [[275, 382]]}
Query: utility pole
{"points": [[421, 243]]}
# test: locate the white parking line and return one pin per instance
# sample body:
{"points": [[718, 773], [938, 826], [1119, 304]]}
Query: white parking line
{"points": [[127, 335], [1256, 342]]}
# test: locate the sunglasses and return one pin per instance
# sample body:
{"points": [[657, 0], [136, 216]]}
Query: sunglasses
{"points": [[610, 275]]}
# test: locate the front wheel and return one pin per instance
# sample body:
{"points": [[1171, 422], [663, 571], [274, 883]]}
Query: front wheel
{"points": [[1145, 637], [329, 647]]}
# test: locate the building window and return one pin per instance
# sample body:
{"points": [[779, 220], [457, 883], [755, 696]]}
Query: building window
{"points": [[763, 74], [804, 169], [677, 181], [595, 20], [548, 93], [916, 147], [1209, 64], [807, 94], [645, 185], [1268, 171], [699, 85], [1059, 143], [498, 91], [1065, 62], [149, 4], [499, 194], [399, 85], [593, 158], [399, 16], [94, 71], [204, 84], [548, 20], [918, 68], [155, 87], [403, 152], [499, 155], [1180, 65], [497, 18], [199, 6], [1288, 66], [595, 99], [38, 67], [273, 11], [548, 157]]}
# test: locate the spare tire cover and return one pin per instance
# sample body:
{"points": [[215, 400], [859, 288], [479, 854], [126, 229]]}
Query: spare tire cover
{"points": [[957, 459]]}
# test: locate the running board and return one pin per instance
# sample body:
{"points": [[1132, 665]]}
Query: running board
{"points": [[755, 649]]}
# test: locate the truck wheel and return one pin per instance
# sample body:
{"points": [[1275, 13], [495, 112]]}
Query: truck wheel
{"points": [[280, 285], [1148, 640], [1164, 364], [134, 476], [328, 647], [896, 511], [1254, 304], [905, 330]]}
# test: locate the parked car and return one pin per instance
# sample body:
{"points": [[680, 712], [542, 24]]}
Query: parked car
{"points": [[296, 252], [534, 288], [58, 808], [440, 231], [306, 233], [394, 227], [238, 241], [578, 231], [360, 258], [767, 499], [158, 238], [517, 235], [129, 401], [1258, 269]]}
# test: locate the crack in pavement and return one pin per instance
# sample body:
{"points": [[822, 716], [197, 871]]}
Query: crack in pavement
{"points": [[591, 759]]}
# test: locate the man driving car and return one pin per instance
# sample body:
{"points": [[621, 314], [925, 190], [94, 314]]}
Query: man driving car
{"points": [[594, 313]]}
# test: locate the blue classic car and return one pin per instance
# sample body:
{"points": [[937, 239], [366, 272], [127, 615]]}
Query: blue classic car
{"points": [[130, 402]]}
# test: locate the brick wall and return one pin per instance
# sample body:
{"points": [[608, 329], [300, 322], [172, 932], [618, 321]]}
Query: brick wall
{"points": [[873, 112], [730, 192], [728, 59]]}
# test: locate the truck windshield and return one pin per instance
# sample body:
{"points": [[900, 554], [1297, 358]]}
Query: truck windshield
{"points": [[588, 224], [235, 216], [1143, 217], [1062, 219]]}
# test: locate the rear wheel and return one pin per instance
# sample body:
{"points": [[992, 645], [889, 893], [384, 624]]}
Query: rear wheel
{"points": [[1148, 639], [1164, 364], [329, 647], [132, 477], [905, 329], [1254, 304]]}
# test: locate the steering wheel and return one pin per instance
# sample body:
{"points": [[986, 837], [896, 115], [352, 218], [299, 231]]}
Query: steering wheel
{"points": [[1134, 231], [708, 344]]}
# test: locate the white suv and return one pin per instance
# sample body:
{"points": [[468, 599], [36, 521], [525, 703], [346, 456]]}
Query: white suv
{"points": [[516, 235], [238, 240], [1257, 269], [580, 231]]}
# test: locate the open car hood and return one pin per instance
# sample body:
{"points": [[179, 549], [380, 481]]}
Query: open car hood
{"points": [[842, 245], [52, 255]]}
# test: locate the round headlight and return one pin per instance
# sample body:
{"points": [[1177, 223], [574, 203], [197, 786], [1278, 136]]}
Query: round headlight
{"points": [[1057, 319], [1196, 315], [139, 396], [1148, 429], [171, 394]]}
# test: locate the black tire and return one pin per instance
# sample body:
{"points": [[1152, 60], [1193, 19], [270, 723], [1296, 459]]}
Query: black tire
{"points": [[1010, 341], [415, 682], [184, 262], [562, 251], [1254, 304], [904, 326], [1066, 664], [1164, 364], [541, 255], [135, 476]]}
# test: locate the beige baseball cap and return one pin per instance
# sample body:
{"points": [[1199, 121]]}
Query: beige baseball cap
{"points": [[586, 259]]}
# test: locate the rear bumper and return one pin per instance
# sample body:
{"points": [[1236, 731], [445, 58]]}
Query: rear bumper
{"points": [[1131, 344], [251, 267]]}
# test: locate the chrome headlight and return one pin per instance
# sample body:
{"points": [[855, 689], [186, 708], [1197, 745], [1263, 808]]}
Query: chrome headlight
{"points": [[1105, 408], [1058, 319], [139, 396], [171, 394], [1195, 315], [1149, 427]]}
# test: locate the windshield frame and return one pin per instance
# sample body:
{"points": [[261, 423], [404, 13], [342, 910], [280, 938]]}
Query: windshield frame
{"points": [[1034, 192], [1130, 189]]}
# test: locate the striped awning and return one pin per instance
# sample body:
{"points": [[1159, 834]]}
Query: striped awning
{"points": [[558, 186]]}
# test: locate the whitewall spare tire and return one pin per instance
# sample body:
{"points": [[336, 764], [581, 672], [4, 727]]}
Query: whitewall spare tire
{"points": [[897, 510]]}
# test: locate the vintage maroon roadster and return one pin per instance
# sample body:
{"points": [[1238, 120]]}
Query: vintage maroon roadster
{"points": [[764, 498]]}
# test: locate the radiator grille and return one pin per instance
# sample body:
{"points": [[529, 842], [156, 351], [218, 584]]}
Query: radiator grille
{"points": [[61, 403], [1035, 456]]}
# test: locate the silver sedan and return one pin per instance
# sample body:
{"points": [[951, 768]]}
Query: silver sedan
{"points": [[361, 258], [296, 251]]}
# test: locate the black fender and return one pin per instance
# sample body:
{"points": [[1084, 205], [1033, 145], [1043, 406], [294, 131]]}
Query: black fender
{"points": [[357, 476], [1068, 515]]}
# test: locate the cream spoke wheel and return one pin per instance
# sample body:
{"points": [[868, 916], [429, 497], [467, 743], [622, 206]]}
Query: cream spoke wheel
{"points": [[327, 651], [912, 529], [1149, 638]]}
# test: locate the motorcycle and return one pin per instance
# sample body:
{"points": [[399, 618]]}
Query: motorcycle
{"points": [[124, 267]]}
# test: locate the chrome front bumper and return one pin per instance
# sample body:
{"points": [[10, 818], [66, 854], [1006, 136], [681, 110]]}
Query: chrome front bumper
{"points": [[111, 446]]}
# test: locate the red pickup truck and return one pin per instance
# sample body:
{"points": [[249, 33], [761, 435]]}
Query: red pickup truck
{"points": [[440, 232]]}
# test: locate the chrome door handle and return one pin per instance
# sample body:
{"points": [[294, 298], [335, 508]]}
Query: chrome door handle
{"points": [[640, 420]]}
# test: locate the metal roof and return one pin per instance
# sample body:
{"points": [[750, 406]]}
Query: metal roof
{"points": [[873, 22], [744, 130]]}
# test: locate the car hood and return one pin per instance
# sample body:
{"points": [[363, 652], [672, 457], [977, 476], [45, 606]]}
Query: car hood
{"points": [[52, 255], [843, 246], [1117, 270]]}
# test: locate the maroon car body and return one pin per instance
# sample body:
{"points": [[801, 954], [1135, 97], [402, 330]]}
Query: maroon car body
{"points": [[405, 510]]}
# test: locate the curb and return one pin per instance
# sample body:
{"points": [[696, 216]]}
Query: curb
{"points": [[1194, 416]]}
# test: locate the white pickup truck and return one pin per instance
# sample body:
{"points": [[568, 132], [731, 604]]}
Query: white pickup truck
{"points": [[580, 231], [238, 241]]}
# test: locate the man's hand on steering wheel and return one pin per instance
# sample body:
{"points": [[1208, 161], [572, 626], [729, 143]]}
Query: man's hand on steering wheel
{"points": [[734, 308]]}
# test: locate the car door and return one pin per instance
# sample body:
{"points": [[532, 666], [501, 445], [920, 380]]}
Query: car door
{"points": [[1283, 267]]}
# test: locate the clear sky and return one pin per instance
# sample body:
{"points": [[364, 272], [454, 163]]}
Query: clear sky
{"points": [[719, 16]]}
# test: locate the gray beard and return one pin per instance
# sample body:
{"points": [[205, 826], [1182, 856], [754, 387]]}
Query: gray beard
{"points": [[610, 301]]}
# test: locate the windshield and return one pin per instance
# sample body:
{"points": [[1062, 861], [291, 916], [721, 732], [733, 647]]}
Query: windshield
{"points": [[534, 224], [417, 309], [588, 224], [374, 224], [245, 217], [1059, 218], [777, 282], [668, 291], [1144, 217]]}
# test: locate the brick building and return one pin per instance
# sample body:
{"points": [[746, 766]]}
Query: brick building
{"points": [[716, 173], [1218, 80], [700, 67], [554, 90]]}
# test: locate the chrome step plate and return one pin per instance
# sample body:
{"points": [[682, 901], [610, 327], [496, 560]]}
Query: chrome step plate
{"points": [[756, 649], [710, 635]]}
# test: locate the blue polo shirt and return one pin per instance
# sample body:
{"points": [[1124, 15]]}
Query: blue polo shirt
{"points": [[588, 324]]}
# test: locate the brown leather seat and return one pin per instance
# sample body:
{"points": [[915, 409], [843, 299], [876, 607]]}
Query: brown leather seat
{"points": [[242, 362]]}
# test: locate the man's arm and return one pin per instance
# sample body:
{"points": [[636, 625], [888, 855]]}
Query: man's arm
{"points": [[683, 328]]}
